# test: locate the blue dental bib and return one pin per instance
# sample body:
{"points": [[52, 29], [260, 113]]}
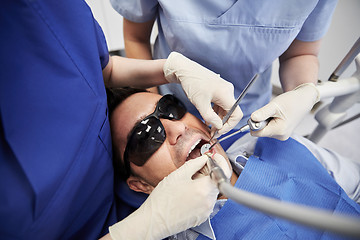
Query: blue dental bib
{"points": [[289, 172]]}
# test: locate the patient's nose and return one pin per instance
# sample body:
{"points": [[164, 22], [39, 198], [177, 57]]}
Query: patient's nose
{"points": [[174, 129]]}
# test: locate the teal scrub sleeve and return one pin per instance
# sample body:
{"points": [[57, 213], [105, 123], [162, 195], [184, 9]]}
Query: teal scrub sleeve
{"points": [[136, 10], [318, 22]]}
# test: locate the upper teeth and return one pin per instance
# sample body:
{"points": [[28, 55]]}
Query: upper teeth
{"points": [[193, 146]]}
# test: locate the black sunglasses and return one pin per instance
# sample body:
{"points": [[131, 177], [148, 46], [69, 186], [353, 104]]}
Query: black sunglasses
{"points": [[149, 134]]}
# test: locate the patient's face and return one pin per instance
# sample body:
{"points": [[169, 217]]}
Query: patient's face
{"points": [[181, 136]]}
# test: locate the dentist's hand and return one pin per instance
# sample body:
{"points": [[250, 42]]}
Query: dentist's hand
{"points": [[287, 110], [204, 87], [177, 203]]}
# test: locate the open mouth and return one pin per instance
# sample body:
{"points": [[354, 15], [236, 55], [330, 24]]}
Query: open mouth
{"points": [[194, 151]]}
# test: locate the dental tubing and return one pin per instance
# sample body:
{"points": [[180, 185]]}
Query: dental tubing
{"points": [[309, 216]]}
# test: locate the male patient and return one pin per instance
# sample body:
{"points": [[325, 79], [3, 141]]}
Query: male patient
{"points": [[153, 135]]}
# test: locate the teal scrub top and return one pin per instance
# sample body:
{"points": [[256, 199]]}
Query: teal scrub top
{"points": [[235, 39]]}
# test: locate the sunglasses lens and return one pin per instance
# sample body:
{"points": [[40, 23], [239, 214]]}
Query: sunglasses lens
{"points": [[145, 140], [171, 108]]}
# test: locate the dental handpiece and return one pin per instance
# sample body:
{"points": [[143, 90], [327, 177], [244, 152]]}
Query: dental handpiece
{"points": [[254, 126], [216, 173]]}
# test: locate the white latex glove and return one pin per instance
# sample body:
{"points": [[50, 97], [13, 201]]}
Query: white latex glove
{"points": [[203, 87], [286, 111], [177, 203], [220, 160]]}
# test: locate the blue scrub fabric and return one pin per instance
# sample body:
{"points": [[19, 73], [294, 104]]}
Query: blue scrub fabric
{"points": [[234, 38], [56, 175], [289, 172]]}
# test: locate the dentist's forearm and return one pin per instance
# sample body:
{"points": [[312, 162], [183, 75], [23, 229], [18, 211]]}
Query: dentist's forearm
{"points": [[126, 72]]}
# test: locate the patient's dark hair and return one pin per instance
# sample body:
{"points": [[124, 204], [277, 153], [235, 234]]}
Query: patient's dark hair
{"points": [[115, 96]]}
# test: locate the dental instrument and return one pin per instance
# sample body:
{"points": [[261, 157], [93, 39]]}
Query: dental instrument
{"points": [[254, 126], [354, 51], [241, 96], [216, 172], [345, 94], [251, 125]]}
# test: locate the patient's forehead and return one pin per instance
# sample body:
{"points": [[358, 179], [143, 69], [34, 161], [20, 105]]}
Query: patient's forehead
{"points": [[129, 112]]}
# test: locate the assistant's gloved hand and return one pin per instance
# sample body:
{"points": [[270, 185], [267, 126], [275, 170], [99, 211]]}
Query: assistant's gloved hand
{"points": [[287, 110], [203, 87], [223, 164], [177, 203], [220, 160]]}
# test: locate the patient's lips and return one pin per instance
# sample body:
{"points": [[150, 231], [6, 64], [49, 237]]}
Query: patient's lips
{"points": [[195, 150]]}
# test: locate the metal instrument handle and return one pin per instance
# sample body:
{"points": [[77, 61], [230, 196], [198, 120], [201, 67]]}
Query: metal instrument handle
{"points": [[242, 95], [256, 126]]}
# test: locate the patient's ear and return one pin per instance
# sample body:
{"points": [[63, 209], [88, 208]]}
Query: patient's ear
{"points": [[138, 185]]}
